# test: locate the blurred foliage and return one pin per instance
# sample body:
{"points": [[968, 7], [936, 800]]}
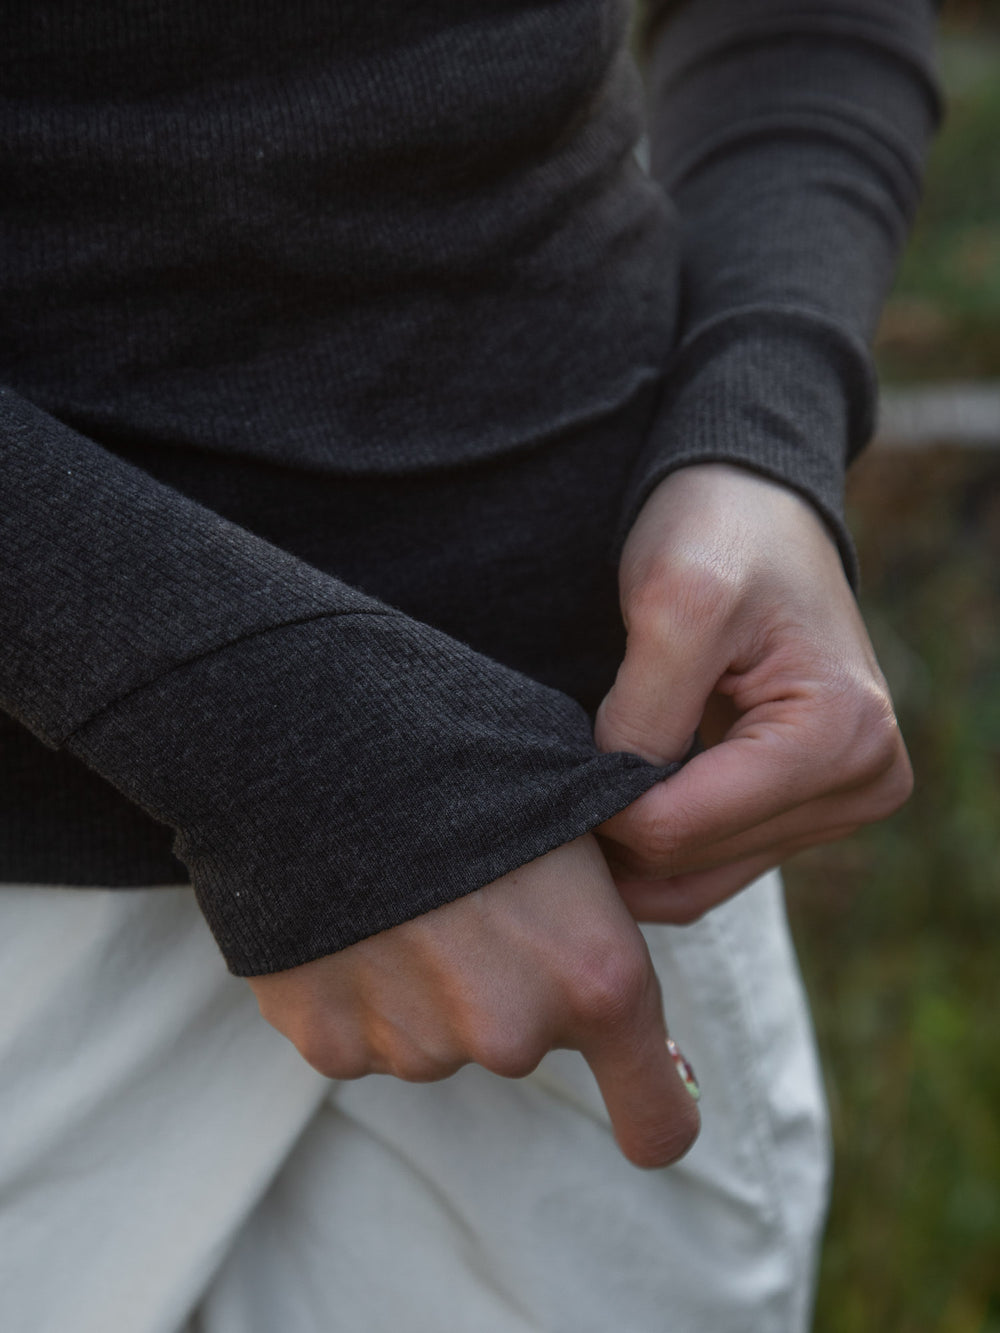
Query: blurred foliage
{"points": [[979, 16], [899, 928], [943, 320]]}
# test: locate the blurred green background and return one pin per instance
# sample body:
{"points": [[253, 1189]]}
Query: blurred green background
{"points": [[899, 928]]}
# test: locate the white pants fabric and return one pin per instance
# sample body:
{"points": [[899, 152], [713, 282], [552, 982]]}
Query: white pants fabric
{"points": [[169, 1164]]}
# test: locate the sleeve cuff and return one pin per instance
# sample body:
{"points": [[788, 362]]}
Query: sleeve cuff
{"points": [[781, 391], [331, 779]]}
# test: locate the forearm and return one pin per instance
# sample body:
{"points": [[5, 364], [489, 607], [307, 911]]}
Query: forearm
{"points": [[329, 766]]}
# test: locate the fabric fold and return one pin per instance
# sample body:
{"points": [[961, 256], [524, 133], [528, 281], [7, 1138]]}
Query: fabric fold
{"points": [[330, 779], [329, 766]]}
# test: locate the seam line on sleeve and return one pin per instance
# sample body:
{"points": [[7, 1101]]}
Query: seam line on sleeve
{"points": [[219, 648]]}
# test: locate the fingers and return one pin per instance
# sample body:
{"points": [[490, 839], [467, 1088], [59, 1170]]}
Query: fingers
{"points": [[752, 797], [651, 710], [742, 628], [548, 956], [683, 899], [686, 574], [653, 1114], [670, 668]]}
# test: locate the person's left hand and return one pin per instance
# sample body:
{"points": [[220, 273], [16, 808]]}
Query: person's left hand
{"points": [[742, 628], [545, 957]]}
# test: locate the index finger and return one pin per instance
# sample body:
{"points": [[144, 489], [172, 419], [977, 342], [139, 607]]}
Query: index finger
{"points": [[740, 784], [771, 787], [653, 1112]]}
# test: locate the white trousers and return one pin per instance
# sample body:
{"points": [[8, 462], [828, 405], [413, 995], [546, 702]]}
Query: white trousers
{"points": [[169, 1164]]}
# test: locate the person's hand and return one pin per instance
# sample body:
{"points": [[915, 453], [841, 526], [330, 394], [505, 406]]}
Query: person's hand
{"points": [[547, 956], [742, 628]]}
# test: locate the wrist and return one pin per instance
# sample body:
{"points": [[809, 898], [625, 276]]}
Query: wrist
{"points": [[709, 532], [777, 393]]}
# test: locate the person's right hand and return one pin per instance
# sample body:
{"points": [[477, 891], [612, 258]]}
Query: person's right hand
{"points": [[548, 956]]}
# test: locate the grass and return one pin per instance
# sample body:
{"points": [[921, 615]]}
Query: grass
{"points": [[943, 320], [899, 928]]}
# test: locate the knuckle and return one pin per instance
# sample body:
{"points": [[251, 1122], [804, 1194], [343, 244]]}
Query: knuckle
{"points": [[414, 1052], [869, 747], [878, 750], [871, 757], [661, 844], [416, 1066], [666, 597], [331, 1053], [326, 1037], [896, 786], [512, 1062], [903, 783], [879, 753], [609, 984], [644, 845], [507, 1053]]}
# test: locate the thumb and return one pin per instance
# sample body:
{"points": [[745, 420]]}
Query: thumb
{"points": [[659, 695]]}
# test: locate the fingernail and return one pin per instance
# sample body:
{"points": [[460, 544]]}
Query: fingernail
{"points": [[684, 1069]]}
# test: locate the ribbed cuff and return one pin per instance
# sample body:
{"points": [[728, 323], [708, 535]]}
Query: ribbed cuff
{"points": [[332, 779], [783, 392]]}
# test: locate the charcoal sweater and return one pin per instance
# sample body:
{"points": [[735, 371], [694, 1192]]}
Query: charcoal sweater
{"points": [[385, 245]]}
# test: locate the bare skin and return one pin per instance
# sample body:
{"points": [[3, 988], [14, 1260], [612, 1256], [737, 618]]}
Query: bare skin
{"points": [[548, 956], [741, 624], [745, 630]]}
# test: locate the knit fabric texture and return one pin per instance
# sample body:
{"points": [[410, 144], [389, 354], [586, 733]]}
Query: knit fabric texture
{"points": [[373, 245]]}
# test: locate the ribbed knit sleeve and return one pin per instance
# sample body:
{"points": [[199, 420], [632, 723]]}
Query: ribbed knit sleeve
{"points": [[790, 136], [330, 766]]}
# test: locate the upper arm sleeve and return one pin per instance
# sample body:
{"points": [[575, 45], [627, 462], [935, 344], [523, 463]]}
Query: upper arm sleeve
{"points": [[330, 766], [790, 136]]}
